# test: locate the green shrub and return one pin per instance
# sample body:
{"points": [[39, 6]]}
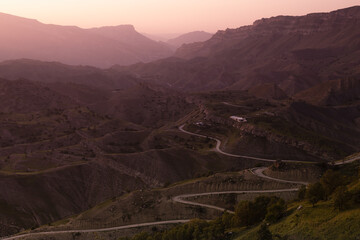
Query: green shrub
{"points": [[315, 193]]}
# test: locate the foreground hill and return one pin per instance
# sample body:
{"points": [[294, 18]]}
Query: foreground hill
{"points": [[27, 38], [296, 53]]}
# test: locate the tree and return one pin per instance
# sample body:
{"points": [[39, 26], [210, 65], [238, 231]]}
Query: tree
{"points": [[330, 181], [243, 213], [341, 198], [248, 213], [260, 205], [275, 210], [264, 233], [315, 193], [227, 219], [302, 192]]}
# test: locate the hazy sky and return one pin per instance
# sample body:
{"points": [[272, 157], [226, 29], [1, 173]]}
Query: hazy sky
{"points": [[165, 16]]}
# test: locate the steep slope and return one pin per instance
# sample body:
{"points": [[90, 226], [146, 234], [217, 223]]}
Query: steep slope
{"points": [[192, 37], [27, 38], [268, 91], [330, 93], [296, 53], [146, 49]]}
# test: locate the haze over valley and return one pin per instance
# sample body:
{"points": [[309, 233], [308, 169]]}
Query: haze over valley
{"points": [[250, 132]]}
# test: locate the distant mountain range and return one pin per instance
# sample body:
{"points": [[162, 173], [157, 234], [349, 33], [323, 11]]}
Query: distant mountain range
{"points": [[295, 53], [101, 47], [192, 37], [279, 57]]}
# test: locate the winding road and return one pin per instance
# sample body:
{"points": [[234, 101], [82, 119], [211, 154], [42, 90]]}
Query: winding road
{"points": [[96, 230], [356, 158], [218, 145], [181, 198], [260, 173]]}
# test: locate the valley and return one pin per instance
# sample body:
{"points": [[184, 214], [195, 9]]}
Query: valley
{"points": [[250, 130]]}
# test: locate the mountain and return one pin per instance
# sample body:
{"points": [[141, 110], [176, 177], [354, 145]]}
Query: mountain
{"points": [[101, 47], [192, 37], [147, 50], [295, 53]]}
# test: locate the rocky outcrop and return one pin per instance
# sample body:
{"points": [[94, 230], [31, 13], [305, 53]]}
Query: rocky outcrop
{"points": [[282, 25], [295, 53]]}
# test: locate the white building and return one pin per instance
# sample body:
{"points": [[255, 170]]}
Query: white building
{"points": [[238, 119]]}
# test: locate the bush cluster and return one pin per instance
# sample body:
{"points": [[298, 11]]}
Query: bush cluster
{"points": [[332, 185]]}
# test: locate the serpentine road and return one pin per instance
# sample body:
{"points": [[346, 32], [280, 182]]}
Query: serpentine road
{"points": [[181, 198], [218, 145], [95, 230]]}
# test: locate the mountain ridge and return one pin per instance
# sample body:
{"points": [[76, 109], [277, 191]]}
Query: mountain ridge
{"points": [[267, 52], [188, 38], [29, 38]]}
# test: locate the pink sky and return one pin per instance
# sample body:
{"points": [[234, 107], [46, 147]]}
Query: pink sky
{"points": [[165, 16]]}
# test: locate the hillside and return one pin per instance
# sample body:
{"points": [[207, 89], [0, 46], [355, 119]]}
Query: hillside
{"points": [[27, 38], [23, 96], [279, 215], [81, 145], [332, 93], [146, 105], [322, 221], [187, 38], [296, 53], [52, 72], [144, 48], [268, 91]]}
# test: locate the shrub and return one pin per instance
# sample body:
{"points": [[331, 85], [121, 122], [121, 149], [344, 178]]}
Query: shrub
{"points": [[315, 193], [264, 233], [275, 211], [302, 192], [248, 213], [341, 198], [330, 181]]}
